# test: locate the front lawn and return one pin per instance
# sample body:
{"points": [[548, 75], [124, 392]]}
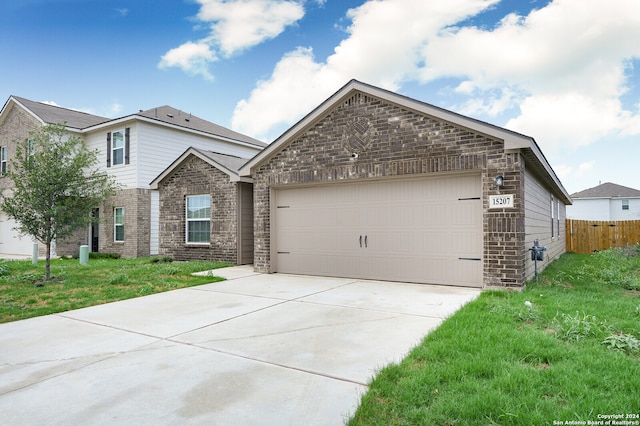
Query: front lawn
{"points": [[565, 350], [100, 281]]}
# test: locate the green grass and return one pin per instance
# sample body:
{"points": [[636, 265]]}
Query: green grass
{"points": [[570, 354], [100, 281]]}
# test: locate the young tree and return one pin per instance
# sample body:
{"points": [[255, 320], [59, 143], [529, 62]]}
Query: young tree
{"points": [[56, 186]]}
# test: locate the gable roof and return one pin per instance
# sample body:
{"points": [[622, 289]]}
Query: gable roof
{"points": [[608, 190], [228, 164], [512, 140], [164, 115], [51, 114]]}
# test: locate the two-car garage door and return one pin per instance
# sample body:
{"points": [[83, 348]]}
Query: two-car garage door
{"points": [[426, 230]]}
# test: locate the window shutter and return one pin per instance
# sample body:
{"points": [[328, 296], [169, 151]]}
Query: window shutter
{"points": [[109, 149], [126, 146]]}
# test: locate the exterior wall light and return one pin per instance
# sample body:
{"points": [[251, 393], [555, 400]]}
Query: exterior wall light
{"points": [[499, 181]]}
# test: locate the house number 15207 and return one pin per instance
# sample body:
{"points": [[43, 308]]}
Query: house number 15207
{"points": [[501, 201]]}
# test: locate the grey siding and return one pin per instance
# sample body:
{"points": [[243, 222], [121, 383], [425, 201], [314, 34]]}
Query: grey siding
{"points": [[538, 223]]}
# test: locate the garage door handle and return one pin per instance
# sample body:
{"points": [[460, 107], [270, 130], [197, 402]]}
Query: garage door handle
{"points": [[360, 241], [365, 241]]}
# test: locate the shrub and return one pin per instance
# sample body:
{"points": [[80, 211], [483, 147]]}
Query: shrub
{"points": [[161, 259]]}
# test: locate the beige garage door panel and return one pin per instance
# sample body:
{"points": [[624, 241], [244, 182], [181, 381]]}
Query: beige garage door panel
{"points": [[10, 241], [418, 230]]}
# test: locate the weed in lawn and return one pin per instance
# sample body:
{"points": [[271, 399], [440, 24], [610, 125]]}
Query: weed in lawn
{"points": [[622, 342], [146, 289], [573, 328], [118, 278], [4, 269]]}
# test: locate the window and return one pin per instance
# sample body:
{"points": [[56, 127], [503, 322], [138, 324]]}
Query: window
{"points": [[199, 219], [3, 160], [558, 218], [625, 204], [31, 150], [118, 224], [117, 147], [552, 217]]}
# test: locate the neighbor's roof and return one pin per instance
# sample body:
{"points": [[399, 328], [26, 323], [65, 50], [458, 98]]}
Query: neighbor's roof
{"points": [[512, 140], [229, 164], [165, 115], [170, 115], [608, 190], [50, 114]]}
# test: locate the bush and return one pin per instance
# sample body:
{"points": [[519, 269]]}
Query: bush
{"points": [[98, 255], [161, 259]]}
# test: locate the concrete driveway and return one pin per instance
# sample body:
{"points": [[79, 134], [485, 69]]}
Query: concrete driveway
{"points": [[253, 350]]}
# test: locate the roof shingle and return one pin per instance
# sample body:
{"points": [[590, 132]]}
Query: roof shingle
{"points": [[51, 114], [170, 115], [607, 190]]}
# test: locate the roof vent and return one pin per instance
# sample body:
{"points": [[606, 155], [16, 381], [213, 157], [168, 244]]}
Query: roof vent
{"points": [[187, 119], [170, 115]]}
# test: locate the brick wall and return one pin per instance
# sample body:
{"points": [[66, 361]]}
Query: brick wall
{"points": [[16, 127], [197, 177], [137, 223], [399, 142]]}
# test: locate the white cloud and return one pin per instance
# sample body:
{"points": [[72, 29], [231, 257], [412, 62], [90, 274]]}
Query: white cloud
{"points": [[193, 58], [235, 25], [585, 168], [382, 48], [562, 67], [122, 11], [239, 24], [567, 61]]}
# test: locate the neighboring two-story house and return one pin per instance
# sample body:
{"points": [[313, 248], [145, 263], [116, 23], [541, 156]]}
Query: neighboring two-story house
{"points": [[607, 201], [134, 149]]}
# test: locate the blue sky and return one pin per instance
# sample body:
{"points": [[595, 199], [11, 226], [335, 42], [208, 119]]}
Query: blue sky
{"points": [[566, 72]]}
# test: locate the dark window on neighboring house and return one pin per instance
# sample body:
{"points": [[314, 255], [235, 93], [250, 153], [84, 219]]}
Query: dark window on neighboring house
{"points": [[118, 147], [198, 227], [625, 204]]}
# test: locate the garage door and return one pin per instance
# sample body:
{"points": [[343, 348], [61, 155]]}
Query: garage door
{"points": [[417, 230], [10, 241]]}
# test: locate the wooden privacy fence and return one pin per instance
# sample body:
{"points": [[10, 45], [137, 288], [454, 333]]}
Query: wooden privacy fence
{"points": [[587, 236]]}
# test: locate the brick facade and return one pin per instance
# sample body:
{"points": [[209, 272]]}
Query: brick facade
{"points": [[401, 143], [196, 177], [137, 238], [15, 127]]}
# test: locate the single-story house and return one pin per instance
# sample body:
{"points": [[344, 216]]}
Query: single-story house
{"points": [[206, 209], [375, 185], [607, 201]]}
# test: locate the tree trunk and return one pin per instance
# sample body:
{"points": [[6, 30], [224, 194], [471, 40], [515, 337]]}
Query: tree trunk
{"points": [[47, 268]]}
